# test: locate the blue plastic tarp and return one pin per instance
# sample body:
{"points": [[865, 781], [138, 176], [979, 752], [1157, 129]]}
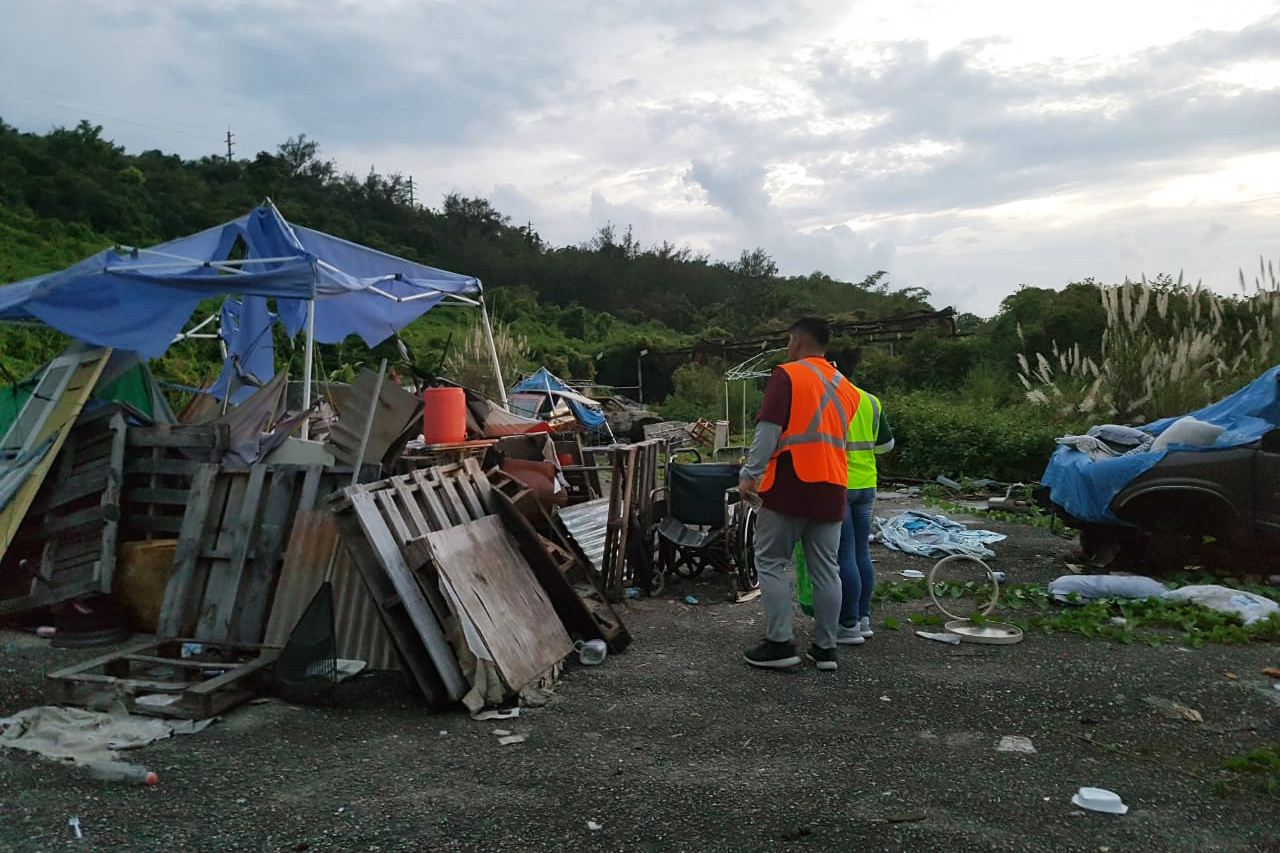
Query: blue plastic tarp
{"points": [[251, 354], [1086, 489], [544, 381], [140, 299]]}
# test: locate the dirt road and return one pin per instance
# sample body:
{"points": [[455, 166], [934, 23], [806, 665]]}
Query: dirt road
{"points": [[677, 745]]}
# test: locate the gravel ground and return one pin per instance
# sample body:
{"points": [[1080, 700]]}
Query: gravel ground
{"points": [[678, 745]]}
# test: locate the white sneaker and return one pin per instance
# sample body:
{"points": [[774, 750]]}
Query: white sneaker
{"points": [[865, 627], [849, 636]]}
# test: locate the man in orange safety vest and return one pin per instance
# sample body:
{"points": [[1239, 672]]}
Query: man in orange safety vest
{"points": [[797, 465]]}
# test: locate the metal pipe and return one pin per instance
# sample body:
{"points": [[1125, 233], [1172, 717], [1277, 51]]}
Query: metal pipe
{"points": [[306, 369], [368, 423], [493, 351]]}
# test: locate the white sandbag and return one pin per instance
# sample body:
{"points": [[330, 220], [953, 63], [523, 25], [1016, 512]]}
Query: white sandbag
{"points": [[1187, 431], [1249, 607], [1090, 587]]}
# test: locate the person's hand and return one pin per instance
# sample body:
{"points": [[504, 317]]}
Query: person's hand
{"points": [[746, 485]]}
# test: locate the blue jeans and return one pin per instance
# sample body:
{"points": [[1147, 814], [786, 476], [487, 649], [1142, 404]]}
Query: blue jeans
{"points": [[857, 576]]}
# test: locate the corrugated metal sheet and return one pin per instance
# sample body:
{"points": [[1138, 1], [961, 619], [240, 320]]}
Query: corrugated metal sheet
{"points": [[360, 632], [587, 524], [316, 552]]}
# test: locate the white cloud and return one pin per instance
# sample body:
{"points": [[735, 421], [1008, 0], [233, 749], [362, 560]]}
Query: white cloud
{"points": [[964, 148]]}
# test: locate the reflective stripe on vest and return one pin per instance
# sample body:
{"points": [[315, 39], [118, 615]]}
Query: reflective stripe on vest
{"points": [[817, 454], [861, 444]]}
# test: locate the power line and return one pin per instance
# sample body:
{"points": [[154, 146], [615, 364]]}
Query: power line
{"points": [[229, 138], [84, 112]]}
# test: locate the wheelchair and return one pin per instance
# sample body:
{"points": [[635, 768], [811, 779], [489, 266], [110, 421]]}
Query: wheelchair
{"points": [[704, 522]]}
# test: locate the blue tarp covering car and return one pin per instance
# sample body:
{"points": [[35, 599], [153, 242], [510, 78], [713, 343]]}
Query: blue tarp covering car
{"points": [[585, 410], [1085, 488]]}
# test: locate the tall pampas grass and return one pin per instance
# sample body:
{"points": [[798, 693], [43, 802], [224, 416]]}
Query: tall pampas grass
{"points": [[469, 364], [1166, 350]]}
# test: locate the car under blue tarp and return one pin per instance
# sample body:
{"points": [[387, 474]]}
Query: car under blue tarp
{"points": [[1085, 488], [586, 411]]}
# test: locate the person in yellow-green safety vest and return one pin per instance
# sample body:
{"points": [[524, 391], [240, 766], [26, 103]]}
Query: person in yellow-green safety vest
{"points": [[869, 436]]}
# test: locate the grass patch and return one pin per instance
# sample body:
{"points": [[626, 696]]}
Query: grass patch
{"points": [[1257, 771]]}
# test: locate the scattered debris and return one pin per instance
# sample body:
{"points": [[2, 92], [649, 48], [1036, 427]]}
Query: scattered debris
{"points": [[1232, 675], [1015, 743], [496, 714], [928, 535], [510, 739], [1099, 800], [1173, 710], [1273, 671], [593, 826], [74, 823], [501, 732], [912, 574], [941, 637]]}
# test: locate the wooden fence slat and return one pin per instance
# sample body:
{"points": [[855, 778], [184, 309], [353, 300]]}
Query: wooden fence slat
{"points": [[238, 530], [184, 583]]}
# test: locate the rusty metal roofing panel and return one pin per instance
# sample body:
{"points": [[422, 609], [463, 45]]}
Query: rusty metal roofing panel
{"points": [[587, 524], [360, 632]]}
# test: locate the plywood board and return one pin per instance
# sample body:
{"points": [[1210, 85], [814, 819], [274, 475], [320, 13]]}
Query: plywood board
{"points": [[500, 595]]}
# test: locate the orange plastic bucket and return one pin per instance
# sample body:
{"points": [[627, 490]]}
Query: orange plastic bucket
{"points": [[444, 415]]}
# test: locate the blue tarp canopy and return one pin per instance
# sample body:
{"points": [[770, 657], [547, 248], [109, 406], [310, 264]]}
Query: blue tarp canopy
{"points": [[584, 409], [1086, 489], [140, 299]]}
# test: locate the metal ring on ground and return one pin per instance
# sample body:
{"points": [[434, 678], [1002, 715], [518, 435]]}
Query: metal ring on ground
{"points": [[995, 584]]}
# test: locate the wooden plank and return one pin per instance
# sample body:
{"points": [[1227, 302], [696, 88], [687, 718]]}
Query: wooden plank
{"points": [[156, 524], [251, 608], [110, 503], [419, 611], [395, 617], [217, 610], [313, 546], [438, 515], [391, 514], [163, 497], [186, 583], [310, 488], [146, 465], [409, 500], [497, 590], [54, 426], [175, 435], [588, 619]]}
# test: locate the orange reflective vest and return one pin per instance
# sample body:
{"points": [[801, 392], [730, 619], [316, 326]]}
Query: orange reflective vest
{"points": [[823, 403]]}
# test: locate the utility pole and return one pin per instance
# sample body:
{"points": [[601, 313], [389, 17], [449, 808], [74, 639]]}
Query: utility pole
{"points": [[640, 375], [229, 138], [411, 190]]}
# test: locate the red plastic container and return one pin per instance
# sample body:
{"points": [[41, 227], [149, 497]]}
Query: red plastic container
{"points": [[444, 415]]}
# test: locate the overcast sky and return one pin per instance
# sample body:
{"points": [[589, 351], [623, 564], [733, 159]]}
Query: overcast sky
{"points": [[966, 148]]}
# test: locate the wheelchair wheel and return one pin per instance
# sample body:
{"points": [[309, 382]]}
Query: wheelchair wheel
{"points": [[745, 556]]}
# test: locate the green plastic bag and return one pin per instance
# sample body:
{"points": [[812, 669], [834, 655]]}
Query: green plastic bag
{"points": [[804, 588]]}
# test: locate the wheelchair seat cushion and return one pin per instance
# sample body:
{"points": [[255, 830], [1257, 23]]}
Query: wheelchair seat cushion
{"points": [[678, 534]]}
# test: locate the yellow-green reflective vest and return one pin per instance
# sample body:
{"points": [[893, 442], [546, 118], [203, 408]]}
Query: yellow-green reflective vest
{"points": [[861, 442]]}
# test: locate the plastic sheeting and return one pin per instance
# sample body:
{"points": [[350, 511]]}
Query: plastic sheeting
{"points": [[1085, 488], [586, 410], [250, 363], [934, 536], [140, 299]]}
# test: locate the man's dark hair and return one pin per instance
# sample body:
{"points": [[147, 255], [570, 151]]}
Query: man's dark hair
{"points": [[813, 327]]}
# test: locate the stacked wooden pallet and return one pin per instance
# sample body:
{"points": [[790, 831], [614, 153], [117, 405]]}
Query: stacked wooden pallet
{"points": [[455, 588]]}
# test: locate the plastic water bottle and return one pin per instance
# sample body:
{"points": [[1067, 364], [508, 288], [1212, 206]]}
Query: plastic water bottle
{"points": [[121, 771]]}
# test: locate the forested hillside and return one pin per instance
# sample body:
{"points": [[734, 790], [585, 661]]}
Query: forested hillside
{"points": [[966, 404]]}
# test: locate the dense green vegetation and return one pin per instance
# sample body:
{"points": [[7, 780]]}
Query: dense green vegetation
{"points": [[586, 310]]}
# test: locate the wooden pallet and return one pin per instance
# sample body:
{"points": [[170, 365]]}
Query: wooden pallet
{"points": [[68, 537], [159, 472], [384, 526], [628, 552], [231, 545], [198, 687], [555, 561]]}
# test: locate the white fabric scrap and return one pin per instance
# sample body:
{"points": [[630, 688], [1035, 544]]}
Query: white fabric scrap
{"points": [[934, 536], [82, 736], [1249, 607]]}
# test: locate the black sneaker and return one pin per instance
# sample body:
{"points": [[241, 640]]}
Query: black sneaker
{"points": [[771, 655], [824, 658]]}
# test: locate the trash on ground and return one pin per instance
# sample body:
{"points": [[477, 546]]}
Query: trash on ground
{"points": [[689, 599], [591, 652], [1090, 587], [1273, 671], [120, 771], [1099, 800], [74, 823], [1249, 607], [632, 592], [510, 739], [501, 732], [941, 637], [1015, 743], [593, 826], [1173, 710], [912, 574], [926, 535], [82, 736], [496, 714]]}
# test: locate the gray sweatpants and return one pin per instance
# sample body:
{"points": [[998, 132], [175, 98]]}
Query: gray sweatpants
{"points": [[776, 538]]}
